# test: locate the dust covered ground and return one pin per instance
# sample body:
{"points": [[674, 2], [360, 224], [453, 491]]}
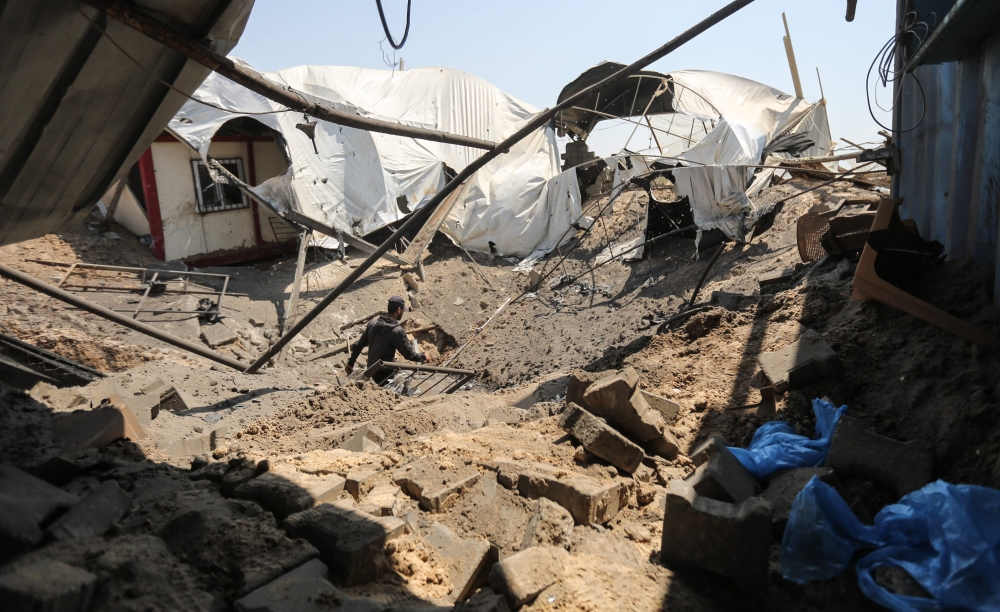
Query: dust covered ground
{"points": [[193, 540]]}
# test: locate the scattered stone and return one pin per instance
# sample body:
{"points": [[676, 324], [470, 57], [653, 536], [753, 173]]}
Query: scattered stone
{"points": [[783, 486], [93, 514], [367, 438], [304, 589], [411, 282], [776, 278], [255, 322], [436, 489], [347, 539], [667, 408], [521, 577], [608, 395], [382, 500], [549, 525], [902, 467], [600, 439], [638, 533], [589, 501], [459, 301], [25, 503], [807, 359], [96, 428], [283, 490], [727, 539], [47, 585], [720, 475], [644, 473], [360, 481], [217, 334], [578, 383], [468, 561]]}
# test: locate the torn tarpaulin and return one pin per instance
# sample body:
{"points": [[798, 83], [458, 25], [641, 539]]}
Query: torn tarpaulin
{"points": [[946, 537]]}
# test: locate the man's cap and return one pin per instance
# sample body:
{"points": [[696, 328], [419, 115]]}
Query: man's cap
{"points": [[395, 302]]}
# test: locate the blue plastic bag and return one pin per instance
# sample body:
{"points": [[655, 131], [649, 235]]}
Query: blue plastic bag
{"points": [[947, 537], [775, 446]]}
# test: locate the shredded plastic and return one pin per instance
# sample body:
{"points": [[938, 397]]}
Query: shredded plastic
{"points": [[947, 537], [775, 446]]}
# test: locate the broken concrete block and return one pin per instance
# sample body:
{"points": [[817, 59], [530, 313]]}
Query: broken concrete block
{"points": [[283, 490], [168, 396], [25, 502], [411, 282], [727, 539], [436, 490], [361, 480], [807, 359], [239, 473], [47, 585], [589, 501], [92, 515], [902, 467], [96, 428], [610, 394], [710, 447], [776, 278], [721, 477], [145, 408], [667, 408], [600, 439], [63, 399], [347, 539], [468, 561], [304, 589], [382, 500], [367, 438], [521, 577], [549, 525], [578, 383], [783, 486], [63, 468], [217, 334]]}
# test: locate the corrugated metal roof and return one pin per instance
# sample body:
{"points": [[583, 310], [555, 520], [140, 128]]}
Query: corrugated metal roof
{"points": [[76, 113], [949, 172]]}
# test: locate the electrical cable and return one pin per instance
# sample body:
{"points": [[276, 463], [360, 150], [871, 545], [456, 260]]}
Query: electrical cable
{"points": [[385, 26], [105, 34], [886, 73]]}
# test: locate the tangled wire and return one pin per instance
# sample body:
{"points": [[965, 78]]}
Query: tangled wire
{"points": [[886, 72], [385, 26]]}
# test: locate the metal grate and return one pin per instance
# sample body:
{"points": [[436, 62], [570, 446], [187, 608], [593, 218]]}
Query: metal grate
{"points": [[214, 196]]}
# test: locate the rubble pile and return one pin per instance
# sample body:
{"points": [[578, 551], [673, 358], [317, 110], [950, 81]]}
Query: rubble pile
{"points": [[601, 478]]}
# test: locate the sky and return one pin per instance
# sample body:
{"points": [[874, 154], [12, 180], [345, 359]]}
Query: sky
{"points": [[532, 49]]}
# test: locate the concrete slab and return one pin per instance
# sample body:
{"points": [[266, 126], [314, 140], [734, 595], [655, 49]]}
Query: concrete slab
{"points": [[304, 589], [521, 577], [382, 500], [47, 585], [92, 515], [436, 489], [590, 501], [347, 539], [468, 561], [217, 334], [96, 428]]}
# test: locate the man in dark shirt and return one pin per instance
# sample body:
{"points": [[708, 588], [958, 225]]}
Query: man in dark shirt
{"points": [[383, 337]]}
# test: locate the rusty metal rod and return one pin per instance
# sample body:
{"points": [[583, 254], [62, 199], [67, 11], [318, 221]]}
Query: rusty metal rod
{"points": [[173, 39], [65, 296], [458, 384], [419, 217]]}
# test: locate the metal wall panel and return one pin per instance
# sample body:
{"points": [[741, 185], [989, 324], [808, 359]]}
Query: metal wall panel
{"points": [[949, 172]]}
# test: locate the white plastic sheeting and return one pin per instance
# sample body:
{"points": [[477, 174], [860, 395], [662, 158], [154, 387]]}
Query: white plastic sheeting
{"points": [[362, 181], [747, 115]]}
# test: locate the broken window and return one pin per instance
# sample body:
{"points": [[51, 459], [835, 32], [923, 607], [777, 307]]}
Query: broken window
{"points": [[212, 196]]}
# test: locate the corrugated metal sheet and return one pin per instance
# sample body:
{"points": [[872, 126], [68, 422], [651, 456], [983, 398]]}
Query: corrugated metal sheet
{"points": [[75, 112], [950, 164]]}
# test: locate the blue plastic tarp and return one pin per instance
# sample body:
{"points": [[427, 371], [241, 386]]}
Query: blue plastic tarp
{"points": [[775, 446], [947, 537]]}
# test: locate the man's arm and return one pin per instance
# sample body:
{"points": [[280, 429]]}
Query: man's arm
{"points": [[402, 344], [356, 351]]}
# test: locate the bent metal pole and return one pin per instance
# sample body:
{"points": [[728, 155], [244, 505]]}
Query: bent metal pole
{"points": [[65, 296], [417, 218], [171, 38]]}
